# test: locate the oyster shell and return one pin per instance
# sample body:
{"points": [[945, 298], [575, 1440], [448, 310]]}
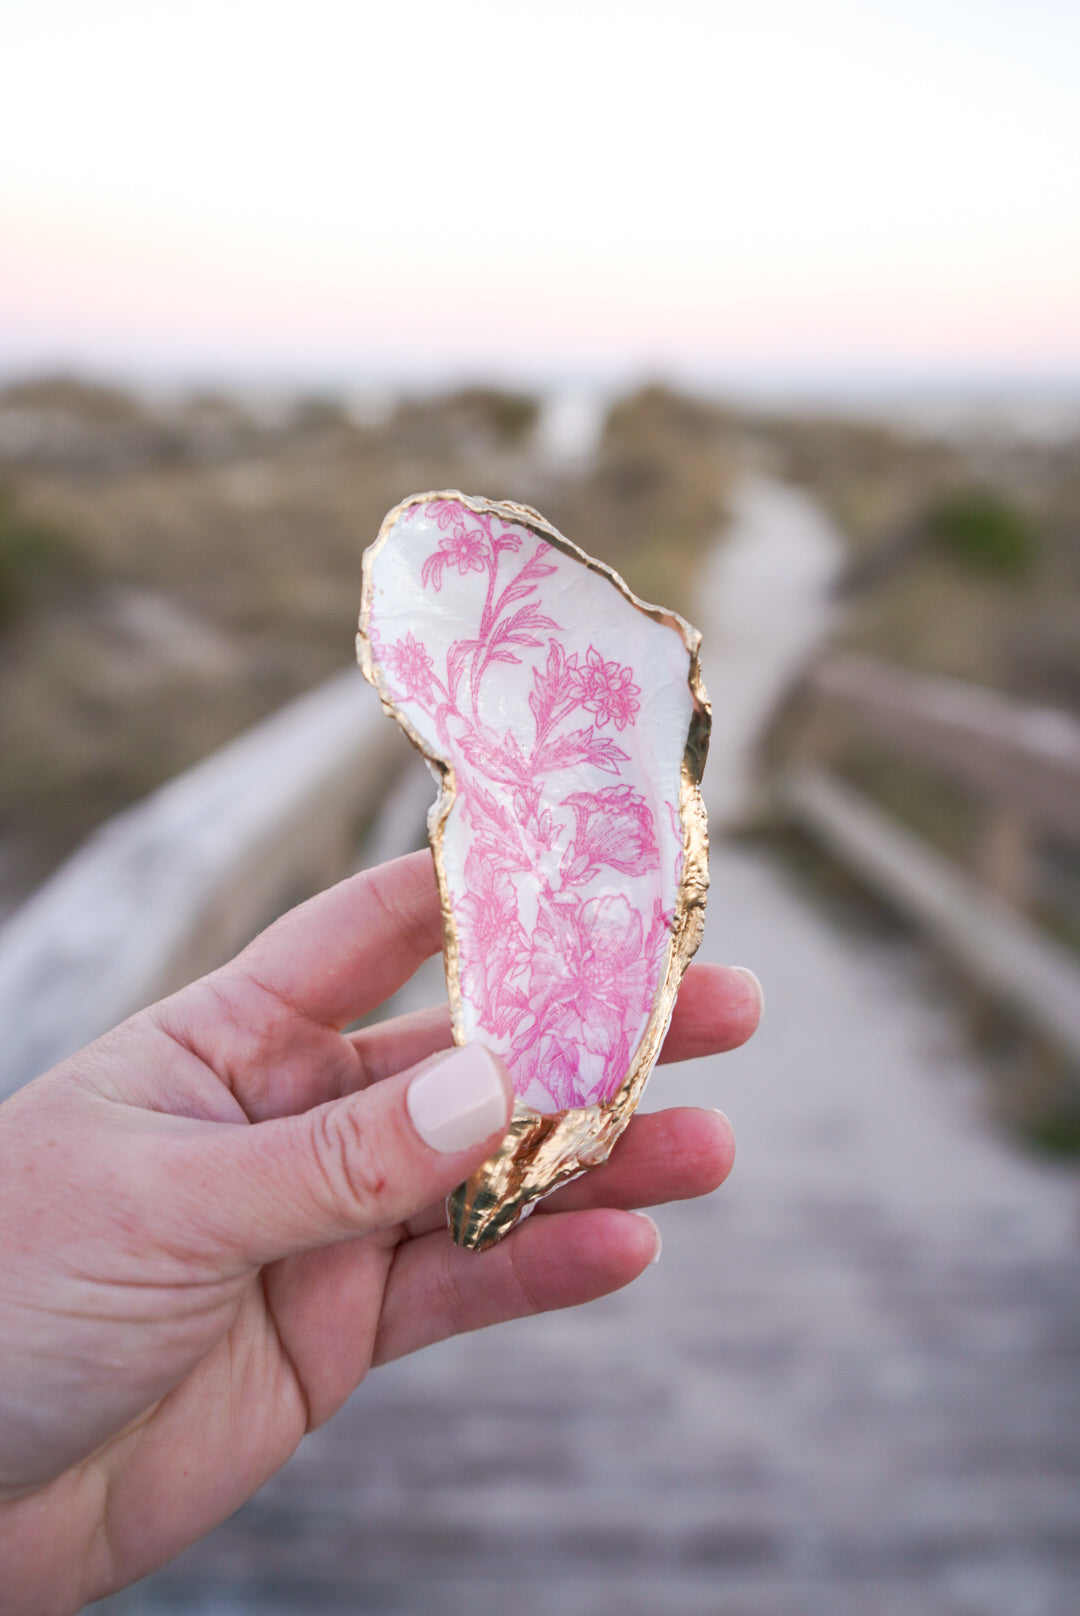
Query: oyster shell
{"points": [[567, 723]]}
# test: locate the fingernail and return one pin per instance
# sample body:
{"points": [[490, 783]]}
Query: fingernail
{"points": [[458, 1101], [744, 970], [657, 1242]]}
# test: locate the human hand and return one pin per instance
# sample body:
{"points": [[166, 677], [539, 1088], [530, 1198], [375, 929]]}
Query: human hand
{"points": [[217, 1217]]}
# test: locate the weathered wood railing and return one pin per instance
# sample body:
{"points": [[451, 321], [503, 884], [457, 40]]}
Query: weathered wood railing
{"points": [[1022, 762], [173, 886]]}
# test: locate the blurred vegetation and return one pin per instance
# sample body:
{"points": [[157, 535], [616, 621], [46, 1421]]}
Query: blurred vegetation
{"points": [[964, 551], [36, 559], [983, 530], [173, 569], [654, 500]]}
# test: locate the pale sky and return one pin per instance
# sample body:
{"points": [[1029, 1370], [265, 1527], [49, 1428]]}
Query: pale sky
{"points": [[564, 189]]}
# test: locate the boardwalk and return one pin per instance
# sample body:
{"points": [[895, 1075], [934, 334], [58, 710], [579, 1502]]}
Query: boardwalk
{"points": [[849, 1387]]}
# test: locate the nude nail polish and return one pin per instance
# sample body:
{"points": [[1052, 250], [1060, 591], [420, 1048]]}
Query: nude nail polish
{"points": [[459, 1100]]}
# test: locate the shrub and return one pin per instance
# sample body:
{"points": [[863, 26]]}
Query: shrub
{"points": [[980, 529], [32, 556]]}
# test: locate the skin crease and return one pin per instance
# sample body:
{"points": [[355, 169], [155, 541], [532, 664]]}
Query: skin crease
{"points": [[216, 1218]]}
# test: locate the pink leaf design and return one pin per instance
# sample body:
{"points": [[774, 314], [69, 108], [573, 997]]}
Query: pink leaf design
{"points": [[580, 746], [498, 758], [527, 618], [552, 687], [506, 541], [459, 654], [499, 831], [432, 570]]}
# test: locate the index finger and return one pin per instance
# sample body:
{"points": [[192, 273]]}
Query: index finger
{"points": [[347, 949]]}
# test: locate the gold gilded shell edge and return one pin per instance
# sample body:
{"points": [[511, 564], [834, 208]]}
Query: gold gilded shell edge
{"points": [[543, 1150]]}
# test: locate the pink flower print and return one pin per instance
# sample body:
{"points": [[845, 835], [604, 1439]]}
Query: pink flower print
{"points": [[410, 662], [592, 979], [465, 551], [551, 1070], [589, 970], [449, 513], [494, 946], [614, 827], [464, 547], [608, 690]]}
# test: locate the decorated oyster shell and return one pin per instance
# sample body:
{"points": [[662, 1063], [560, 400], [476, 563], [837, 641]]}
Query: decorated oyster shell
{"points": [[568, 725]]}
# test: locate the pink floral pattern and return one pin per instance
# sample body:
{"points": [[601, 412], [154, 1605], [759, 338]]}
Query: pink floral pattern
{"points": [[608, 691], [563, 895], [411, 665]]}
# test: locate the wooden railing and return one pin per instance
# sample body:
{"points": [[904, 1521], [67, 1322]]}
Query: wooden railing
{"points": [[1021, 762], [179, 882]]}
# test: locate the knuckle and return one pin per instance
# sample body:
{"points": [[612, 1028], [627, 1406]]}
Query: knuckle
{"points": [[352, 1166], [529, 1301], [451, 1304]]}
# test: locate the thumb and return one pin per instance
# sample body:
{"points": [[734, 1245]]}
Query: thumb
{"points": [[365, 1162]]}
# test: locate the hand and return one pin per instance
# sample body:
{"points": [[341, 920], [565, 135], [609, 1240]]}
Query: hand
{"points": [[216, 1218]]}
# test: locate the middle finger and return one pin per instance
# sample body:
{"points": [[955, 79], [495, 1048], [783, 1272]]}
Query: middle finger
{"points": [[671, 1155]]}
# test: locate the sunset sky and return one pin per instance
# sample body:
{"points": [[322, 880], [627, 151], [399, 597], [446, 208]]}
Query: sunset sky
{"points": [[766, 193]]}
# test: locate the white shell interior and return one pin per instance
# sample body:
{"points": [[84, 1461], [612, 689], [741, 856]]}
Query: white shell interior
{"points": [[564, 712]]}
